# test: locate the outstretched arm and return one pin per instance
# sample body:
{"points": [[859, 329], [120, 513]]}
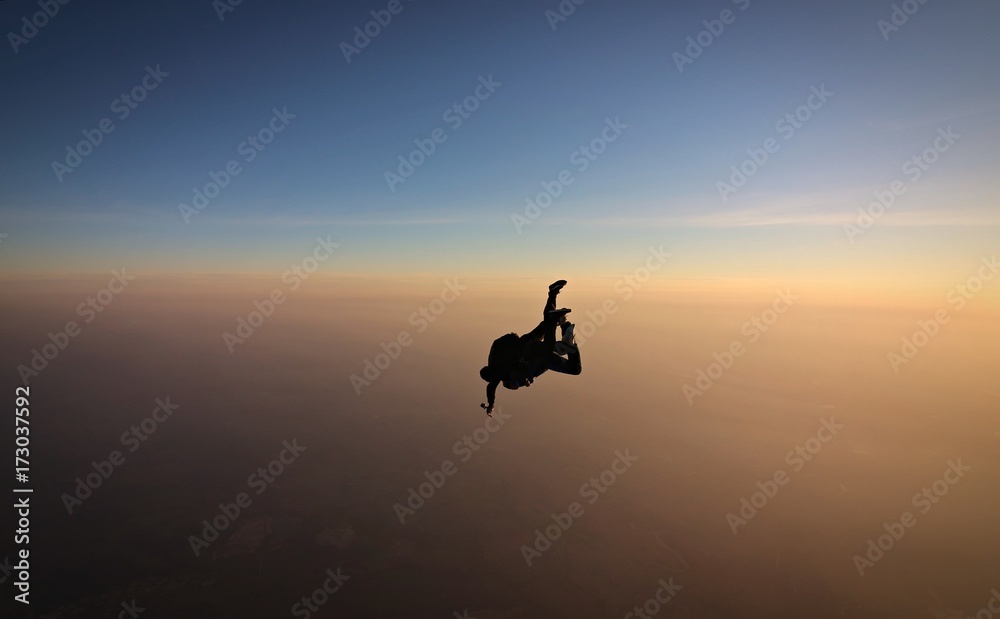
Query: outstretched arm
{"points": [[491, 395]]}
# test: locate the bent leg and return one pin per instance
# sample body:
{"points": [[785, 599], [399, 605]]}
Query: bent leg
{"points": [[550, 330], [549, 320], [537, 333], [570, 365], [546, 330], [550, 303]]}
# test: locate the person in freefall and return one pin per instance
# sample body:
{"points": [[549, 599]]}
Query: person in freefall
{"points": [[516, 361]]}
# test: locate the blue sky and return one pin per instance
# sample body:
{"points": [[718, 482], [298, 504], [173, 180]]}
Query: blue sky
{"points": [[325, 173]]}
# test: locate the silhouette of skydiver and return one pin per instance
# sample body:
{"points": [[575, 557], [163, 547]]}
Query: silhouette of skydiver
{"points": [[516, 361]]}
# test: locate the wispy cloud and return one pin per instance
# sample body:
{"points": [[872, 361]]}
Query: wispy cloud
{"points": [[748, 218], [145, 215], [935, 206], [833, 208]]}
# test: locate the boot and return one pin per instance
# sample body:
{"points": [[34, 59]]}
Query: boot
{"points": [[559, 315]]}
